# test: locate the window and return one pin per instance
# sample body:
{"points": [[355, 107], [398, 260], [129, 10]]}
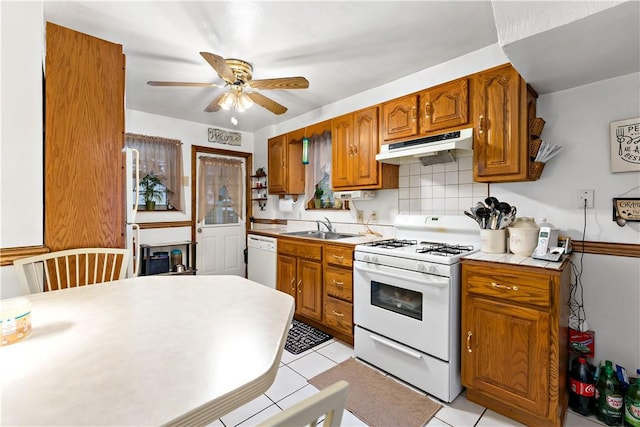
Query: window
{"points": [[160, 158], [220, 184], [318, 172]]}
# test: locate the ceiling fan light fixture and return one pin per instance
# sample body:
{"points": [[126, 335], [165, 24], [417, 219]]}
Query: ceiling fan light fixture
{"points": [[243, 101], [227, 101]]}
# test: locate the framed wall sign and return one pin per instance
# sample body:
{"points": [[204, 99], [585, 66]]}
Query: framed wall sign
{"points": [[625, 145], [224, 137]]}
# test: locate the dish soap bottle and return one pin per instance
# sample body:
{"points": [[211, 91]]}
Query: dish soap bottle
{"points": [[632, 404]]}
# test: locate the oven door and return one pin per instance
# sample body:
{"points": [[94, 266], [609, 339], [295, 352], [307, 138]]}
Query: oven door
{"points": [[407, 306]]}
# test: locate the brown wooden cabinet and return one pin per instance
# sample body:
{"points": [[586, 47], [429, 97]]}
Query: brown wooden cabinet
{"points": [[286, 171], [514, 335], [445, 106], [400, 118], [299, 273], [503, 106], [338, 289], [84, 200], [354, 139]]}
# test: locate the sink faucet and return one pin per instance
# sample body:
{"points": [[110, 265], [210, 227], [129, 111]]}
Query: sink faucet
{"points": [[326, 224]]}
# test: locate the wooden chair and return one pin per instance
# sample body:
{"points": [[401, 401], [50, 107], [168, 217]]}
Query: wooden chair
{"points": [[71, 268], [329, 403]]}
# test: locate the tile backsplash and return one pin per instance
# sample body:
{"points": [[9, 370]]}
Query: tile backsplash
{"points": [[442, 189]]}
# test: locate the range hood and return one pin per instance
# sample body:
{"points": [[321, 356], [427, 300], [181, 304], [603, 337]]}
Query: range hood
{"points": [[430, 150]]}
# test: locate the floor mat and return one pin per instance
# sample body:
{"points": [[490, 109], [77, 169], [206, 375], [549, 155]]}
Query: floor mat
{"points": [[378, 400], [302, 337]]}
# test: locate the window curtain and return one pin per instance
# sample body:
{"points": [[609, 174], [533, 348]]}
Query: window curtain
{"points": [[319, 162], [161, 157], [217, 173]]}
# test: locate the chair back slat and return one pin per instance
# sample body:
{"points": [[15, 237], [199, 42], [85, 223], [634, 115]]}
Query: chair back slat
{"points": [[71, 268]]}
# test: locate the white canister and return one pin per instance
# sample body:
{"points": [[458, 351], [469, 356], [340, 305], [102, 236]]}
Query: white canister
{"points": [[493, 241], [523, 236]]}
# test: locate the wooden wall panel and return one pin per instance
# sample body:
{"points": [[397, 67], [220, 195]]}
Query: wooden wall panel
{"points": [[84, 135]]}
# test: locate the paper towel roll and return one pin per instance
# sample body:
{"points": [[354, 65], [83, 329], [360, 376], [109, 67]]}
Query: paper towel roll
{"points": [[285, 205]]}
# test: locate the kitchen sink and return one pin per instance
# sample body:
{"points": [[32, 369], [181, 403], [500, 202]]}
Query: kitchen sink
{"points": [[315, 234]]}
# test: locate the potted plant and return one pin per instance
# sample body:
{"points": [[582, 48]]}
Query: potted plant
{"points": [[150, 191], [318, 196]]}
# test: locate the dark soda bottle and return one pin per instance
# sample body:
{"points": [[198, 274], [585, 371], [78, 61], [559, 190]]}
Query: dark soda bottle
{"points": [[611, 401], [581, 387]]}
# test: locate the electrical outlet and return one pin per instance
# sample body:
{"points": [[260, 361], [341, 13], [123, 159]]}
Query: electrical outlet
{"points": [[585, 195], [373, 217], [359, 216]]}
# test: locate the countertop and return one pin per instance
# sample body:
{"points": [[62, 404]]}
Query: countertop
{"points": [[513, 259], [352, 241]]}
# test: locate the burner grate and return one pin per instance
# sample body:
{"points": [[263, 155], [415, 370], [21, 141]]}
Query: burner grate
{"points": [[392, 243], [443, 249]]}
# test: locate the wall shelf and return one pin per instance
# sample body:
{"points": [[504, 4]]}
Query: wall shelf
{"points": [[259, 190]]}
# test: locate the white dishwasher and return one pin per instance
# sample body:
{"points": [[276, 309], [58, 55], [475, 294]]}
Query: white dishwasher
{"points": [[261, 259]]}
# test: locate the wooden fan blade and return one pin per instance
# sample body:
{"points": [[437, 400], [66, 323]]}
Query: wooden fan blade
{"points": [[267, 103], [281, 83], [186, 84], [221, 67], [213, 106]]}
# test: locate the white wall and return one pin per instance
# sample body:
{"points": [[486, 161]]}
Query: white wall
{"points": [[21, 183]]}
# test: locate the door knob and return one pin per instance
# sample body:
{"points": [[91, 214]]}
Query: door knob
{"points": [[199, 230]]}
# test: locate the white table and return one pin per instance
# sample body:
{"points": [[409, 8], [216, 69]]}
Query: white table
{"points": [[145, 351]]}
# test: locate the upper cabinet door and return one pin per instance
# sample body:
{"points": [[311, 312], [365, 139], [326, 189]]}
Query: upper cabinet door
{"points": [[445, 106], [400, 118], [365, 142], [500, 141], [277, 150], [84, 188], [342, 151]]}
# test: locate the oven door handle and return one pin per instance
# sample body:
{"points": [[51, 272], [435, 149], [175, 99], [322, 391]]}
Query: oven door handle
{"points": [[394, 346], [422, 282]]}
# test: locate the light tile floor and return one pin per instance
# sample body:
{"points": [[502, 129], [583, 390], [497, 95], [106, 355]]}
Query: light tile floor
{"points": [[291, 386]]}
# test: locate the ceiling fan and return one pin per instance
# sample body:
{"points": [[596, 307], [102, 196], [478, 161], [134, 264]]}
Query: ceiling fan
{"points": [[236, 74]]}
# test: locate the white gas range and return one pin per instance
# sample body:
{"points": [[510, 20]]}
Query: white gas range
{"points": [[407, 301]]}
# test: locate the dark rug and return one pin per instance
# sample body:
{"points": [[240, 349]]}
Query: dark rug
{"points": [[302, 337], [378, 400]]}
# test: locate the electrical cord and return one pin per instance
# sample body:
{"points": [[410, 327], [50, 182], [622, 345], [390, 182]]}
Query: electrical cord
{"points": [[576, 293]]}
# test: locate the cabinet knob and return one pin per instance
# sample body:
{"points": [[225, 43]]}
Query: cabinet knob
{"points": [[299, 284], [335, 313], [340, 284], [469, 334], [427, 109], [413, 114], [338, 257], [481, 124]]}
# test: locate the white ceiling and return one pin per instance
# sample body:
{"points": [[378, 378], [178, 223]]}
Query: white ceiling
{"points": [[342, 48]]}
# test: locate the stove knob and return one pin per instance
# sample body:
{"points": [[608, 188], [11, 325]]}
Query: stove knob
{"points": [[432, 269], [374, 259], [420, 266]]}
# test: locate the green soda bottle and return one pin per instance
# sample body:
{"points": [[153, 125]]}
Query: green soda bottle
{"points": [[611, 400], [632, 404]]}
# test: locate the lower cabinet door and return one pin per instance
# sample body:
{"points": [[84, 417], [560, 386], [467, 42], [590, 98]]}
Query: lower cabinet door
{"points": [[505, 353], [309, 289]]}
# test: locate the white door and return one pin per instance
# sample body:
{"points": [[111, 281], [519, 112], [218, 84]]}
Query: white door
{"points": [[220, 214]]}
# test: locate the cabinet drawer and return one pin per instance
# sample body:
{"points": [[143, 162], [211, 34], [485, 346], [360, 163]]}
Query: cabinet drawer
{"points": [[338, 255], [338, 315], [513, 286], [338, 283], [300, 249]]}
